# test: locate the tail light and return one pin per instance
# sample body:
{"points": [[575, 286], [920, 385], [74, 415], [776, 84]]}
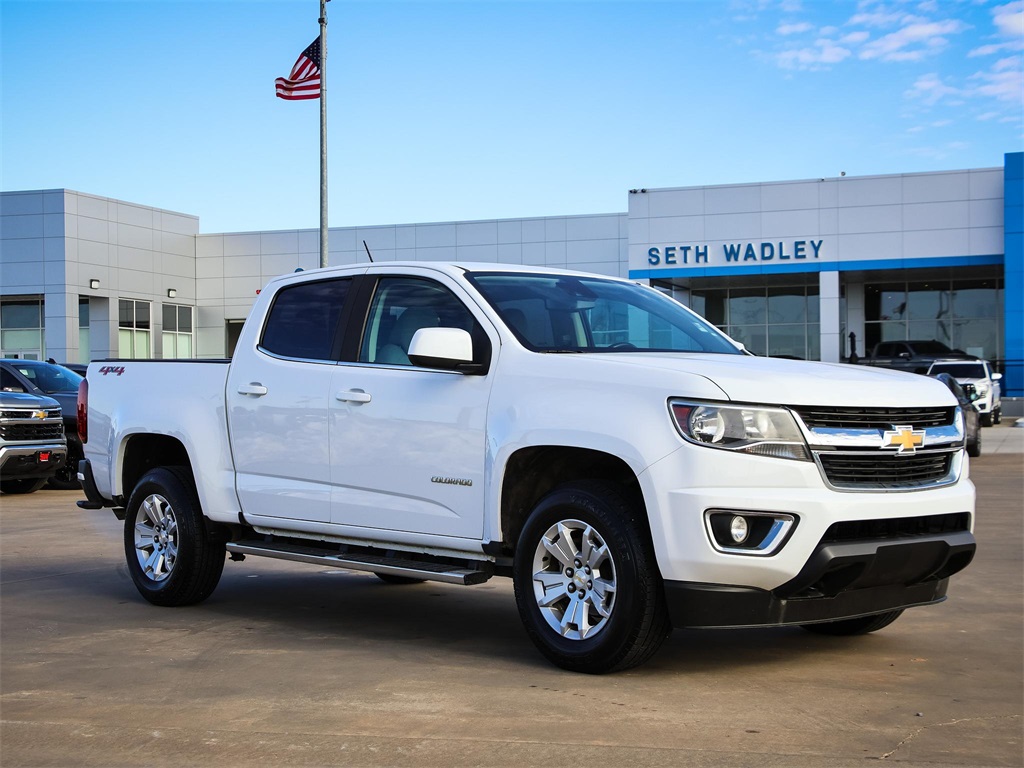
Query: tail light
{"points": [[83, 411]]}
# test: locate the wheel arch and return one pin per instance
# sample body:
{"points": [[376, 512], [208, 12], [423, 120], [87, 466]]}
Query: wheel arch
{"points": [[532, 472], [141, 452]]}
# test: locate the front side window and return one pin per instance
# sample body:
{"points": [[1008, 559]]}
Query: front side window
{"points": [[303, 321], [403, 305], [561, 313]]}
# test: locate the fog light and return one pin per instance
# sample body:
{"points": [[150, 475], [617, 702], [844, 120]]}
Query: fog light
{"points": [[738, 529], [739, 532]]}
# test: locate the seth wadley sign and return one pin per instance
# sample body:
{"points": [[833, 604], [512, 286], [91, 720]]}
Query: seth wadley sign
{"points": [[782, 250]]}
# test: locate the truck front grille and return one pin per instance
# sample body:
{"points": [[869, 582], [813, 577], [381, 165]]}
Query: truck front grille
{"points": [[874, 470], [19, 425], [42, 430], [838, 417]]}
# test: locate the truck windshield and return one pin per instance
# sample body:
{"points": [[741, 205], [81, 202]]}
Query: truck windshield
{"points": [[565, 313], [960, 370]]}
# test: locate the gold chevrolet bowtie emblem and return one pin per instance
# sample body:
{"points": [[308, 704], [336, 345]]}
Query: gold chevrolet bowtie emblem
{"points": [[905, 438], [38, 414]]}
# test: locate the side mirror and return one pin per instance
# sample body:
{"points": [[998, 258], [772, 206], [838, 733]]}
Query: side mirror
{"points": [[997, 377], [904, 355], [448, 349]]}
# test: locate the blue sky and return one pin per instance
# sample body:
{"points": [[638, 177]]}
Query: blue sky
{"points": [[444, 111]]}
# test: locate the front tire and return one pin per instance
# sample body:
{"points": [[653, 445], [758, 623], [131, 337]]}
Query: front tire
{"points": [[997, 416], [859, 626], [171, 557], [22, 485], [586, 581], [974, 447]]}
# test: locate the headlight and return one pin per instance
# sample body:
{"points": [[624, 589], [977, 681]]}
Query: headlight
{"points": [[981, 388], [747, 429]]}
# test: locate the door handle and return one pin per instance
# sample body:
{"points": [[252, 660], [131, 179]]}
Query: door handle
{"points": [[353, 396], [252, 388]]}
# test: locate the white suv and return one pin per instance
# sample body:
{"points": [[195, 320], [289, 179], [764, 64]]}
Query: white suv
{"points": [[979, 374]]}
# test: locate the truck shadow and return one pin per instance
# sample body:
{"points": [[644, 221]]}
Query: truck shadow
{"points": [[339, 608]]}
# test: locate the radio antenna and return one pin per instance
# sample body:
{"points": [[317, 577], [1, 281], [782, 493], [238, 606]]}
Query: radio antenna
{"points": [[368, 255]]}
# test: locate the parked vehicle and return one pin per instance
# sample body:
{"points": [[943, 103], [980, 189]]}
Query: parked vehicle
{"points": [[609, 450], [79, 368], [50, 380], [985, 381], [32, 444], [912, 356], [967, 397]]}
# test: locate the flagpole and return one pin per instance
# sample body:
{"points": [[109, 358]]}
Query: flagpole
{"points": [[323, 133]]}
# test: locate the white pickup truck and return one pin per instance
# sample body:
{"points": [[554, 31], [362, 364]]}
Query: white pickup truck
{"points": [[630, 467]]}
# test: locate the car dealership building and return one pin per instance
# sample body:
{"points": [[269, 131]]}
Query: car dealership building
{"points": [[813, 269]]}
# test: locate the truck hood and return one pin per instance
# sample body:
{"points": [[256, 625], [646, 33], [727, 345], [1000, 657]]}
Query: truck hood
{"points": [[25, 400], [748, 379]]}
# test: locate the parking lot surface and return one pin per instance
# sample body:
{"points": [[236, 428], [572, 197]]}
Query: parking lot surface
{"points": [[299, 665]]}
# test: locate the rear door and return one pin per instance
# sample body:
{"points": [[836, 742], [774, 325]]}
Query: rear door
{"points": [[278, 392], [408, 443]]}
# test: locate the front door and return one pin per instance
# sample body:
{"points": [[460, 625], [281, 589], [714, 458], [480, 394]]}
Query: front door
{"points": [[408, 443]]}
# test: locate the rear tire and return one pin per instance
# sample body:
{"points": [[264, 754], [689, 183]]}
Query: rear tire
{"points": [[23, 485], [859, 626], [586, 581], [171, 557]]}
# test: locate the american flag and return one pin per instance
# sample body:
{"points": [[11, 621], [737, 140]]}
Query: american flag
{"points": [[303, 82]]}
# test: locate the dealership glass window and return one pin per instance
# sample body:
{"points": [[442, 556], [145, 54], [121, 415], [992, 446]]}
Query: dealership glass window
{"points": [[779, 321], [962, 314], [177, 332], [84, 350], [133, 340], [21, 328]]}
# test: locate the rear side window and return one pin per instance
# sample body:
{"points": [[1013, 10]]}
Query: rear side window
{"points": [[303, 321]]}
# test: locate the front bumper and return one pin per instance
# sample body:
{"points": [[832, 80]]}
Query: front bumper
{"points": [[26, 461], [840, 581]]}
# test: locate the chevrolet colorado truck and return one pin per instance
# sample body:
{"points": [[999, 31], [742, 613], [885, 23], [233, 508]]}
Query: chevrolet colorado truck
{"points": [[625, 463]]}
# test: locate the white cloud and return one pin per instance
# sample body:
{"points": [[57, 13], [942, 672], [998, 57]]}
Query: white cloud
{"points": [[793, 29], [823, 53], [894, 46], [854, 38], [877, 19], [1009, 19], [931, 90], [987, 116], [1009, 22], [1004, 85]]}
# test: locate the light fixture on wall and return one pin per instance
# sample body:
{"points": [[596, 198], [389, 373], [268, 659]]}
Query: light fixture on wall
{"points": [[94, 284], [172, 292]]}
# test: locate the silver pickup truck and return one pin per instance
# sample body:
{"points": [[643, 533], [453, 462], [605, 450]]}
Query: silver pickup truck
{"points": [[32, 442]]}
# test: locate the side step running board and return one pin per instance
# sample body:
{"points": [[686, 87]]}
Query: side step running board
{"points": [[359, 561]]}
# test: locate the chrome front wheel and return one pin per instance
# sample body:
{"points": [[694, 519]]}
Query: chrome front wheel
{"points": [[586, 580], [574, 580]]}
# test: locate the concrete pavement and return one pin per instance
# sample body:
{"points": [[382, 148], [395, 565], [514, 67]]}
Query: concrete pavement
{"points": [[299, 665]]}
